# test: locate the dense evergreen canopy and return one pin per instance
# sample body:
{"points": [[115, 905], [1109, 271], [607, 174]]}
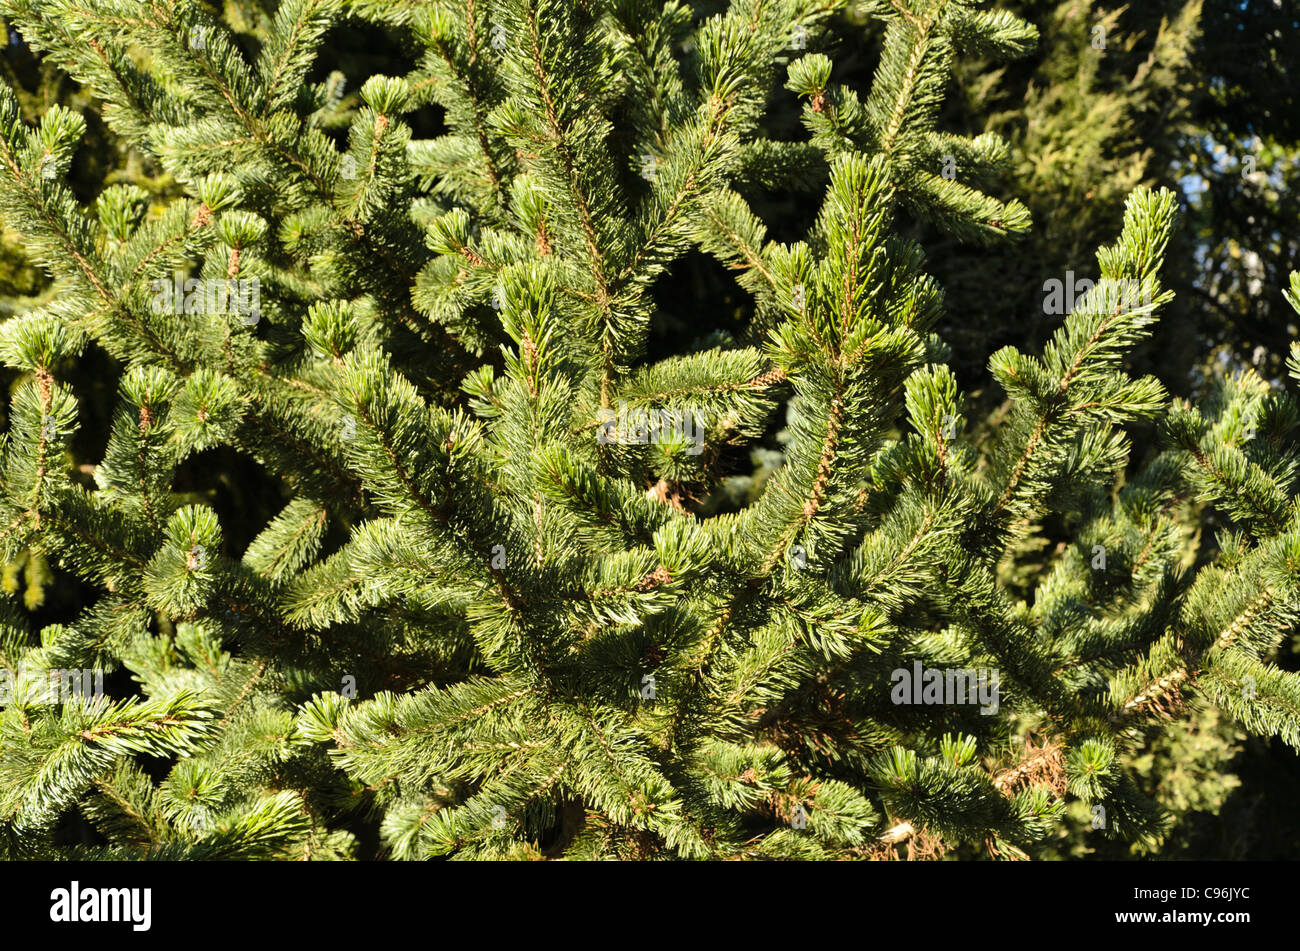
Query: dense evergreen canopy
{"points": [[384, 448]]}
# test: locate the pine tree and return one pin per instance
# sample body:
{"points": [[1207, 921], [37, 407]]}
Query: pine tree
{"points": [[490, 616]]}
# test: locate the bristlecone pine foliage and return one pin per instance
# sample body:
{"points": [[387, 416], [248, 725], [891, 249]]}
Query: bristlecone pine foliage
{"points": [[487, 622]]}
